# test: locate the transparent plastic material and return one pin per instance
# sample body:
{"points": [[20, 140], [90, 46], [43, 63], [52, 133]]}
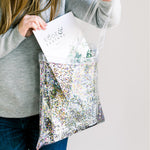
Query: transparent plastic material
{"points": [[69, 97]]}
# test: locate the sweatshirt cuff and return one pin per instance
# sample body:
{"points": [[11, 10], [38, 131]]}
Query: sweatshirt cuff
{"points": [[18, 37]]}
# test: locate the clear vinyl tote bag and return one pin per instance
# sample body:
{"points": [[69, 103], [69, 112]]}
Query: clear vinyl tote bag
{"points": [[69, 98]]}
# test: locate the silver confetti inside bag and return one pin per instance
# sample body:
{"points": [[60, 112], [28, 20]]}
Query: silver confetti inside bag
{"points": [[69, 98]]}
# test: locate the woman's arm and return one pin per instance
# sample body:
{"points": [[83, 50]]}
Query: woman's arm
{"points": [[80, 7], [10, 40]]}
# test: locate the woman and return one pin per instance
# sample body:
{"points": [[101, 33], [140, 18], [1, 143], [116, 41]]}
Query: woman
{"points": [[19, 75]]}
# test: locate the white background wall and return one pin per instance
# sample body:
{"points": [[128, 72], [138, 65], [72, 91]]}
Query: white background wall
{"points": [[149, 68], [123, 81]]}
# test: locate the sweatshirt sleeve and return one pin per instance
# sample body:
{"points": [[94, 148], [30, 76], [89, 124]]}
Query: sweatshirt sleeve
{"points": [[80, 7], [10, 40]]}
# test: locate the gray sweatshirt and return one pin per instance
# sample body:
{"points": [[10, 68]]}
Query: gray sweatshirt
{"points": [[19, 66]]}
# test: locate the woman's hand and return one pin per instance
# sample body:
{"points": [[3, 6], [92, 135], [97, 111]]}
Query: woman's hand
{"points": [[107, 0], [29, 23]]}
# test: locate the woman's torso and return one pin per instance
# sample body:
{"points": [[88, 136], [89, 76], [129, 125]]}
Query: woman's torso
{"points": [[20, 77]]}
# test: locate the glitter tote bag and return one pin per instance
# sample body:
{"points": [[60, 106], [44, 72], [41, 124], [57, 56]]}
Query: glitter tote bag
{"points": [[69, 97]]}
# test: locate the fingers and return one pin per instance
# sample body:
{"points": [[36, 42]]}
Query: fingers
{"points": [[40, 23], [36, 22], [32, 22], [33, 25]]}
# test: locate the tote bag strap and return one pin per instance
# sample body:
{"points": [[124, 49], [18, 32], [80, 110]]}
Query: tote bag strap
{"points": [[88, 18]]}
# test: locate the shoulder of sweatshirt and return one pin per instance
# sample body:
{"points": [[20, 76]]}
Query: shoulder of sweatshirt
{"points": [[80, 8]]}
